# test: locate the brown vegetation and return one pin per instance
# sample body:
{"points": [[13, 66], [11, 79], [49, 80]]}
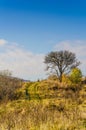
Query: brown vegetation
{"points": [[43, 105]]}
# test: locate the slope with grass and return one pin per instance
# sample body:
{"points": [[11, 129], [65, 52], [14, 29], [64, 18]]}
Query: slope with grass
{"points": [[45, 105]]}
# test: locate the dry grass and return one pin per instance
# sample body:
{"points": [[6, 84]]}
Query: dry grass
{"points": [[41, 115], [49, 106]]}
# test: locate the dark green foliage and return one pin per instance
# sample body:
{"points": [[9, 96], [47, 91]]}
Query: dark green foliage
{"points": [[27, 95]]}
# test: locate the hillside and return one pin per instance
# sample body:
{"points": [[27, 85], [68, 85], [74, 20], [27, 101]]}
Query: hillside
{"points": [[42, 105]]}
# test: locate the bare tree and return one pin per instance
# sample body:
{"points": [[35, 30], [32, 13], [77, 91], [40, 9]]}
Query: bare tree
{"points": [[8, 85], [60, 62]]}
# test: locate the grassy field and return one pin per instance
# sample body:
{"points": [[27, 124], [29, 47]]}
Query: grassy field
{"points": [[45, 105]]}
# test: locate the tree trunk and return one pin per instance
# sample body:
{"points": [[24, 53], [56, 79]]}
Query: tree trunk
{"points": [[60, 78]]}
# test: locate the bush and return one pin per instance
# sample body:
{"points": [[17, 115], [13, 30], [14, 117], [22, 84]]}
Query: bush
{"points": [[76, 75]]}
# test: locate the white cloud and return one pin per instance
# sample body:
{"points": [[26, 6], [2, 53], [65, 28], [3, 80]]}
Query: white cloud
{"points": [[2, 42], [27, 65], [78, 47], [22, 63]]}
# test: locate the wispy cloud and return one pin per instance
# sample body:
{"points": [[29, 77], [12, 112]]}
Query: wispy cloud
{"points": [[28, 65], [78, 47], [3, 42], [22, 63]]}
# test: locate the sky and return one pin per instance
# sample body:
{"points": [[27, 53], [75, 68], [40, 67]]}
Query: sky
{"points": [[29, 29]]}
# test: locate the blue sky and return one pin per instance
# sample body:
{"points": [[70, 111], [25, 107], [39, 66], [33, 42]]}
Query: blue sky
{"points": [[36, 27]]}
